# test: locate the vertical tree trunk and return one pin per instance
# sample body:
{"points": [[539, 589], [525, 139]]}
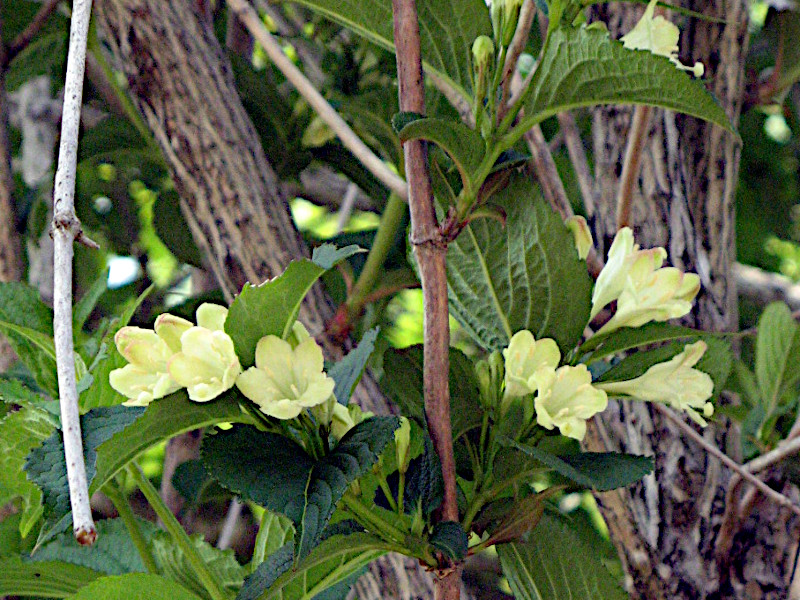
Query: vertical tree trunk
{"points": [[665, 528], [180, 79]]}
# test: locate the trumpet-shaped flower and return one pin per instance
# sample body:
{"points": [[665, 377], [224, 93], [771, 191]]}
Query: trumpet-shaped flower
{"points": [[643, 289], [659, 36], [565, 398], [285, 380], [523, 357], [673, 382], [145, 378], [207, 364]]}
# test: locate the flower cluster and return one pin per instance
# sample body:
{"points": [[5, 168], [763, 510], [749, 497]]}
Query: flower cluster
{"points": [[286, 379], [565, 397], [644, 290]]}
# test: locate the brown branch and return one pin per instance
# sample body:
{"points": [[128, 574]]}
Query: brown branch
{"points": [[577, 156], [631, 163], [430, 249], [26, 35]]}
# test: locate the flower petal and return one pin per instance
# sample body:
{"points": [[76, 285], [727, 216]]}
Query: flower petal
{"points": [[211, 316]]}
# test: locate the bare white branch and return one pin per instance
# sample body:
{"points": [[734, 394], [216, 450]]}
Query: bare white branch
{"points": [[249, 18], [66, 230]]}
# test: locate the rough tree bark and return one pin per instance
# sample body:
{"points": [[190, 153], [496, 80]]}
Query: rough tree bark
{"points": [[180, 79], [665, 528]]}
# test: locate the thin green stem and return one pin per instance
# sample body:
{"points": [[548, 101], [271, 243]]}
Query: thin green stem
{"points": [[390, 222], [372, 521], [178, 534], [498, 73], [120, 502], [401, 488]]}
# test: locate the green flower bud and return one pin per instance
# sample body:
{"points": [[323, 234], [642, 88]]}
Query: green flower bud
{"points": [[510, 20], [482, 53], [402, 440]]}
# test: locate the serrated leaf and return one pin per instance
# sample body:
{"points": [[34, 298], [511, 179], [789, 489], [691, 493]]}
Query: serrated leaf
{"points": [[347, 372], [403, 381], [334, 560], [163, 420], [447, 30], [134, 585], [174, 564], [601, 471], [585, 67], [777, 354], [556, 564], [464, 145], [276, 564], [277, 473], [271, 307], [20, 433], [277, 529], [47, 467], [112, 554], [525, 275], [424, 481], [42, 580], [450, 538]]}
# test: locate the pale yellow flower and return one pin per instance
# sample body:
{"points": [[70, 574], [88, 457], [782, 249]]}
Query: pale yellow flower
{"points": [[523, 357], [583, 236], [659, 36], [145, 378], [207, 364], [285, 380], [673, 382], [565, 399], [644, 291], [344, 418]]}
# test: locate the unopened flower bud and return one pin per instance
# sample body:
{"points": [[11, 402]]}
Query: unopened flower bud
{"points": [[583, 236], [402, 440], [482, 60], [510, 19]]}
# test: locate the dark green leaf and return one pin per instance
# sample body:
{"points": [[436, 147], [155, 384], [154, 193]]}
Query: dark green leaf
{"points": [[46, 465], [635, 337], [403, 382], [112, 554], [451, 539], [271, 307], [42, 580], [556, 564], [347, 372], [585, 67], [84, 307], [267, 573], [278, 474], [424, 482], [464, 145], [134, 585], [173, 230], [601, 471], [525, 275], [45, 55]]}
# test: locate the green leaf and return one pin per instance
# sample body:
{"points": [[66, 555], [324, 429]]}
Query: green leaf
{"points": [[113, 553], [635, 337], [20, 432], [424, 481], [45, 55], [464, 145], [172, 229], [267, 573], [47, 467], [451, 539], [134, 585], [84, 307], [271, 308], [42, 580], [585, 67], [556, 564], [447, 30], [282, 477], [525, 275], [347, 372], [334, 560], [163, 419], [601, 471], [20, 307], [777, 354], [403, 382], [173, 564], [279, 531]]}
